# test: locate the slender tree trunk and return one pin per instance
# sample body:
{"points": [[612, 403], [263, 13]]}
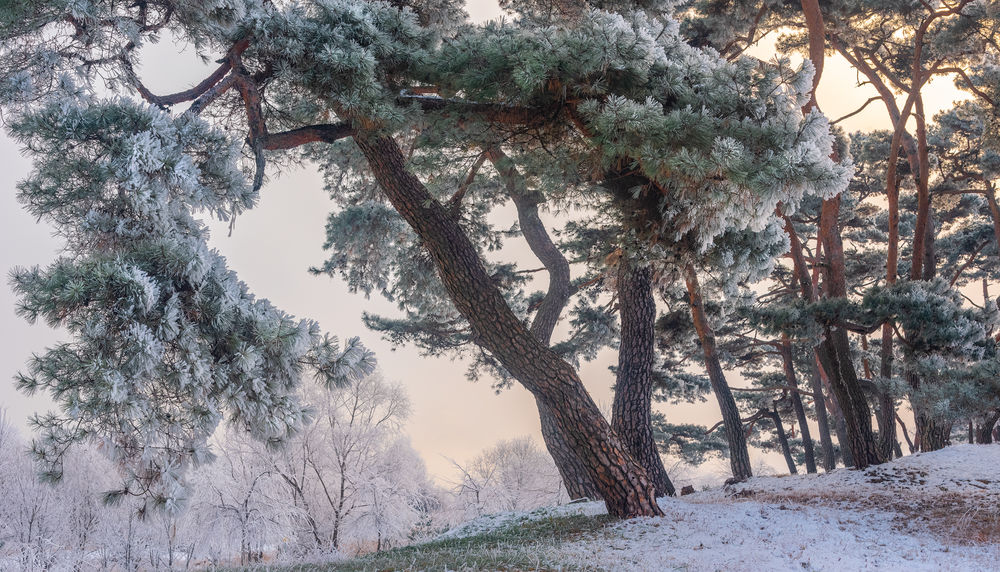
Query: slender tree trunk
{"points": [[739, 456], [808, 292], [800, 412], [572, 470], [631, 417], [779, 428], [933, 433], [906, 435], [839, 425], [822, 419], [626, 488]]}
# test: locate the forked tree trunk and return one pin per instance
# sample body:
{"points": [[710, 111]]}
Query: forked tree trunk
{"points": [[739, 456], [623, 483], [631, 417], [800, 412], [572, 470]]}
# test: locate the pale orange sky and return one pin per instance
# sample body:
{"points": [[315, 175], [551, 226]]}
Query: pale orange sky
{"points": [[273, 245]]}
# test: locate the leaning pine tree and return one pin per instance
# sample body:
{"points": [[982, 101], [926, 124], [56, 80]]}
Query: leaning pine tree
{"points": [[709, 145]]}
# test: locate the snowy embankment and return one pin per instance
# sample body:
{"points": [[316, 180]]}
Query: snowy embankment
{"points": [[932, 511]]}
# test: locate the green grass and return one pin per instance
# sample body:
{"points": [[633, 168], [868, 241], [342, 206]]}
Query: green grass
{"points": [[523, 545]]}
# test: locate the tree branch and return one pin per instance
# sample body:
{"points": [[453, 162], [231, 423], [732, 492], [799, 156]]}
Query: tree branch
{"points": [[858, 110], [197, 91]]}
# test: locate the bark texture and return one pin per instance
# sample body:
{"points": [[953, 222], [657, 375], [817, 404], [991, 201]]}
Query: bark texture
{"points": [[808, 292], [836, 357], [623, 483], [800, 412], [572, 470], [631, 417], [739, 456], [779, 428], [984, 430]]}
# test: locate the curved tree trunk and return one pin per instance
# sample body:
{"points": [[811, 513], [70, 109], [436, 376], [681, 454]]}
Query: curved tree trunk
{"points": [[739, 456], [624, 484], [631, 417], [572, 470]]}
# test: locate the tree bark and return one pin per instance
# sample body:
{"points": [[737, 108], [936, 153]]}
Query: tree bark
{"points": [[822, 419], [631, 418], [836, 354], [779, 428], [623, 483], [800, 412], [984, 431], [739, 456], [909, 444], [808, 292], [572, 470], [933, 433], [991, 199]]}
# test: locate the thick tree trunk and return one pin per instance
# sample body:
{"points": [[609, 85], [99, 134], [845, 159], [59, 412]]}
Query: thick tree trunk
{"points": [[800, 412], [836, 354], [933, 433], [984, 431], [623, 483], [782, 440], [631, 417], [572, 470], [739, 456]]}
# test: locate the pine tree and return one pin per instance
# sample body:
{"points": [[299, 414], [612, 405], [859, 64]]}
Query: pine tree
{"points": [[709, 146]]}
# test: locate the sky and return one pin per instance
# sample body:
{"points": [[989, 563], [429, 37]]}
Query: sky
{"points": [[273, 246]]}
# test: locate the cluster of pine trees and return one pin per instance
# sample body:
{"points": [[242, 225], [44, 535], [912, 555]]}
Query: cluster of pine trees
{"points": [[656, 172]]}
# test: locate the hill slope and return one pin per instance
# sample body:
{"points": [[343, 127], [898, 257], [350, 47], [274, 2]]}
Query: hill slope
{"points": [[931, 511]]}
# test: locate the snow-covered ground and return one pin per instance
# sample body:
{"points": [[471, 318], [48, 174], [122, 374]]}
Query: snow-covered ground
{"points": [[931, 511]]}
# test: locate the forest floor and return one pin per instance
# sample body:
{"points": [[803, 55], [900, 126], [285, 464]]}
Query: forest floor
{"points": [[930, 511]]}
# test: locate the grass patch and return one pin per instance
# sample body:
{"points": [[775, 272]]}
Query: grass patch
{"points": [[522, 545]]}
